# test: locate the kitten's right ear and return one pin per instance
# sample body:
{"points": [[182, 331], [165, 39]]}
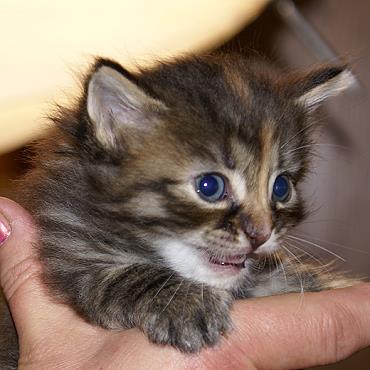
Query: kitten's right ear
{"points": [[319, 84], [115, 103]]}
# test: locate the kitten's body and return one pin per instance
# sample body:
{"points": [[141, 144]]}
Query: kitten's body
{"points": [[126, 238]]}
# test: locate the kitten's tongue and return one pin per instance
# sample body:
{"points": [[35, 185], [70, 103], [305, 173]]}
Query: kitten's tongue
{"points": [[235, 260]]}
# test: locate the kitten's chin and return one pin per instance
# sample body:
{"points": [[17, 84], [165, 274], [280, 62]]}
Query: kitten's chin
{"points": [[225, 273]]}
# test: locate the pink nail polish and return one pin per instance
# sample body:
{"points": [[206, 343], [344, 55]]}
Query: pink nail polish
{"points": [[4, 232]]}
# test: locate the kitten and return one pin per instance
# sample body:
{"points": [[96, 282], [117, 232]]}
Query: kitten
{"points": [[159, 193]]}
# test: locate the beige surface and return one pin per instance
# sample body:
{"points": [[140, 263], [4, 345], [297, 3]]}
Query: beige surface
{"points": [[46, 42]]}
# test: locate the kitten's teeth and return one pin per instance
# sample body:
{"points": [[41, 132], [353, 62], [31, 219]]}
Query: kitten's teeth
{"points": [[237, 260]]}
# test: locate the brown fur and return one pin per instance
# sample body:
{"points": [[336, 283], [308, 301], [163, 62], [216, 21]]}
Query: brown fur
{"points": [[126, 238]]}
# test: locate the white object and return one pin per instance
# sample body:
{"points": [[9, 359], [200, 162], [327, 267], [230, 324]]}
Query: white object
{"points": [[45, 42]]}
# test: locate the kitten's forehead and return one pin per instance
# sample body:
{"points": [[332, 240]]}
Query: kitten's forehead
{"points": [[226, 114], [223, 97], [256, 163]]}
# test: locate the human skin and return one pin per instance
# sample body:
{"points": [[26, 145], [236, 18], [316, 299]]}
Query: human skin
{"points": [[282, 332]]}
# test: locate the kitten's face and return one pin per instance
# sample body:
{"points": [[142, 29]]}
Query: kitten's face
{"points": [[210, 160], [210, 207]]}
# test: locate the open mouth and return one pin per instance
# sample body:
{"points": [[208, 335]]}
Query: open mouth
{"points": [[235, 261]]}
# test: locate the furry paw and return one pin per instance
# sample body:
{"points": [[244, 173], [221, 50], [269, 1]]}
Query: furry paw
{"points": [[189, 326]]}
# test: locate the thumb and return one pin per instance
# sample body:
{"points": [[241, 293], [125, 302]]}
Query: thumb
{"points": [[29, 303], [293, 331]]}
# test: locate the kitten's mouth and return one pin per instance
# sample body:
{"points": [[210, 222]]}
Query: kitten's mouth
{"points": [[235, 261]]}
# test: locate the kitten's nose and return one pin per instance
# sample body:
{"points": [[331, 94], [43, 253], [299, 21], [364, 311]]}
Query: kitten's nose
{"points": [[257, 234], [259, 238]]}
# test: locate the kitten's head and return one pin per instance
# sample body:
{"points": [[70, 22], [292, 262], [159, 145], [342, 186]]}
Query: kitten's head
{"points": [[205, 154]]}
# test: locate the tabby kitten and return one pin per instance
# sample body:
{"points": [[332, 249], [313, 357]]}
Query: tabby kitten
{"points": [[159, 193]]}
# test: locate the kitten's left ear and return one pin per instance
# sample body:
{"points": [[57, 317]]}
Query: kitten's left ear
{"points": [[115, 103], [316, 86]]}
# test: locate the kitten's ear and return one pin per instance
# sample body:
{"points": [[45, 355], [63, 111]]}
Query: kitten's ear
{"points": [[313, 88], [115, 103]]}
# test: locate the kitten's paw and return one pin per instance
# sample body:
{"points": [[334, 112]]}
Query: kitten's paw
{"points": [[191, 326]]}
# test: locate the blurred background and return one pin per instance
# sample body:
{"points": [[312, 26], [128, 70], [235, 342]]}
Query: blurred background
{"points": [[46, 44]]}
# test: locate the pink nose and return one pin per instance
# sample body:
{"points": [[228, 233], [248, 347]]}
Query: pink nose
{"points": [[258, 238], [257, 235]]}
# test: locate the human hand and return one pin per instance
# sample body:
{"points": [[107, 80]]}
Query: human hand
{"points": [[281, 332]]}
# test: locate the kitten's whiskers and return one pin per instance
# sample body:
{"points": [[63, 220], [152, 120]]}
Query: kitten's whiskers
{"points": [[318, 144], [172, 297], [310, 255], [298, 274], [291, 237], [162, 286], [334, 244], [186, 296], [281, 264], [294, 136]]}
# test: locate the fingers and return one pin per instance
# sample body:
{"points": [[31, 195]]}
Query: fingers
{"points": [[19, 269], [291, 331], [30, 304], [17, 262]]}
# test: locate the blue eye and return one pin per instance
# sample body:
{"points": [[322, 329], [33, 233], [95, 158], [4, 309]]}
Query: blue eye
{"points": [[281, 188], [210, 187]]}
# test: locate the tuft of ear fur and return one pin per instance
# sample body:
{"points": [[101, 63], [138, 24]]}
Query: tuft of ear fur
{"points": [[115, 103], [316, 86]]}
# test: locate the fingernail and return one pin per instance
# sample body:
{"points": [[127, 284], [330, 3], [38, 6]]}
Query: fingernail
{"points": [[4, 229]]}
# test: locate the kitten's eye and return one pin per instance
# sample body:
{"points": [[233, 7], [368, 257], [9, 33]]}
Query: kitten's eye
{"points": [[281, 188], [210, 187]]}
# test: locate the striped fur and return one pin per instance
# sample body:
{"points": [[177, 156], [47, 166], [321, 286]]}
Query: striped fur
{"points": [[124, 234]]}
